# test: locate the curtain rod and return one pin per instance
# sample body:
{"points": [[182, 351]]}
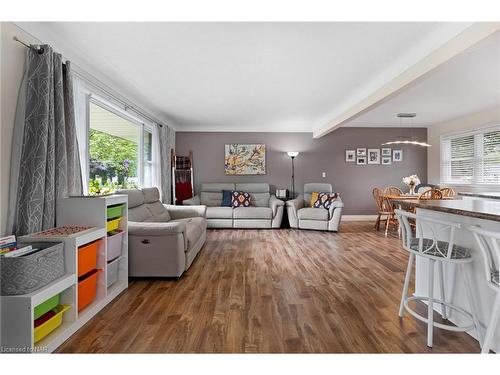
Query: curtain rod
{"points": [[103, 88], [40, 51]]}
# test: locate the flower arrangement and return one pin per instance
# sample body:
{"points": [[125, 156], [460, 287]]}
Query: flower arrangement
{"points": [[411, 182]]}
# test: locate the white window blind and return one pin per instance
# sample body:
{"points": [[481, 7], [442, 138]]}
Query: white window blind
{"points": [[471, 157]]}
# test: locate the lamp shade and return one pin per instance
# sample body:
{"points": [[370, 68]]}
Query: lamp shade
{"points": [[292, 154]]}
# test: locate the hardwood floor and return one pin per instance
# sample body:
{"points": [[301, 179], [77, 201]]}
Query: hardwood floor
{"points": [[272, 291]]}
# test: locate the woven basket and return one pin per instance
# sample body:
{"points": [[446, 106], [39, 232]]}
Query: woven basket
{"points": [[26, 274]]}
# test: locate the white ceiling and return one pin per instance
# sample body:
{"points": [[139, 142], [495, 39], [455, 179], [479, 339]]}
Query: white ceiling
{"points": [[270, 76], [468, 83]]}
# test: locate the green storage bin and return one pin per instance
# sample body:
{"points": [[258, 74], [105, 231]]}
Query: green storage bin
{"points": [[114, 211], [46, 306]]}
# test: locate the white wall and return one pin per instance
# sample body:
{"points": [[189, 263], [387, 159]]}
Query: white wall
{"points": [[12, 60], [12, 67], [434, 133]]}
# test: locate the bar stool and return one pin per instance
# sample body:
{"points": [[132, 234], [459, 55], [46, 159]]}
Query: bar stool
{"points": [[490, 249], [435, 251]]}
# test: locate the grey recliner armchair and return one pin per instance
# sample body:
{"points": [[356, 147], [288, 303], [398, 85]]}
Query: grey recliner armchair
{"points": [[163, 239], [300, 215]]}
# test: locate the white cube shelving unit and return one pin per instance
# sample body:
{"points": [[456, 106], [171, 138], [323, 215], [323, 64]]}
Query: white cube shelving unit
{"points": [[17, 312]]}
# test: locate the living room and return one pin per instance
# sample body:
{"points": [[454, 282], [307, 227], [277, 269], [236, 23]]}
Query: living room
{"points": [[250, 187]]}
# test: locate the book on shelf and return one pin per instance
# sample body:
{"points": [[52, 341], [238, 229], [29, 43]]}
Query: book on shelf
{"points": [[7, 240], [8, 245], [26, 250], [8, 248]]}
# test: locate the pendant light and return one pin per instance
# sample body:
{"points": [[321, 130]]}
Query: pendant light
{"points": [[402, 140]]}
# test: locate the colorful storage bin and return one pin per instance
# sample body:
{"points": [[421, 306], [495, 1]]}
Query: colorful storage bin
{"points": [[112, 274], [87, 257], [87, 288], [113, 224], [115, 211], [44, 329], [115, 242], [46, 306]]}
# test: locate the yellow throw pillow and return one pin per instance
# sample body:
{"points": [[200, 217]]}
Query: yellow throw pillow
{"points": [[314, 198]]}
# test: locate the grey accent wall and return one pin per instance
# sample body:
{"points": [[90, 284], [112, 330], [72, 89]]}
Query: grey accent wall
{"points": [[327, 154]]}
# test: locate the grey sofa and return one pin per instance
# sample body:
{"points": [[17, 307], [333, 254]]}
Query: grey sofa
{"points": [[163, 239], [300, 215], [266, 211]]}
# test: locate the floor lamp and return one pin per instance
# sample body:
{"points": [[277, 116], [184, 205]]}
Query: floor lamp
{"points": [[292, 155]]}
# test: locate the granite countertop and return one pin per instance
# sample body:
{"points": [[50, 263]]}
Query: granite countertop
{"points": [[477, 208], [487, 195]]}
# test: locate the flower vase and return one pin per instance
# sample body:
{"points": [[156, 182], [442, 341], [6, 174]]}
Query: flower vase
{"points": [[412, 189]]}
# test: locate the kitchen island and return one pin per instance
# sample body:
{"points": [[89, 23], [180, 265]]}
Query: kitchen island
{"points": [[480, 195], [467, 212]]}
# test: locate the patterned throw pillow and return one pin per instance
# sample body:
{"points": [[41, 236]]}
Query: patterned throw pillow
{"points": [[325, 200], [240, 199]]}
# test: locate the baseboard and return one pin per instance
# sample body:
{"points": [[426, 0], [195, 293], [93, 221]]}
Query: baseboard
{"points": [[359, 217]]}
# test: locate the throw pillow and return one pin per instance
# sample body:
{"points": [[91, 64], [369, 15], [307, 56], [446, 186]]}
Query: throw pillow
{"points": [[240, 199], [226, 198], [325, 200], [314, 198]]}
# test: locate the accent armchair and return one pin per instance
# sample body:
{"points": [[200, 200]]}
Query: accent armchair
{"points": [[300, 215]]}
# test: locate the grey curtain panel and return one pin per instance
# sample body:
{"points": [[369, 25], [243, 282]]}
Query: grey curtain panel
{"points": [[167, 142], [46, 165]]}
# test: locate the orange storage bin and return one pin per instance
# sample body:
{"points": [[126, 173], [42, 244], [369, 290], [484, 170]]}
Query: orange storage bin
{"points": [[87, 288], [87, 257]]}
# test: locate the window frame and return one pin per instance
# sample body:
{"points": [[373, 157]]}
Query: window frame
{"points": [[143, 127], [477, 179], [149, 129]]}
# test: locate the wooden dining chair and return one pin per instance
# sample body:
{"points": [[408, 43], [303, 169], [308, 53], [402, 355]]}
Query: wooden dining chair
{"points": [[383, 213], [385, 210], [447, 192], [423, 189], [431, 194], [420, 188], [393, 190]]}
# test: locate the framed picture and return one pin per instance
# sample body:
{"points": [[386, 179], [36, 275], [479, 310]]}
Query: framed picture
{"points": [[361, 160], [386, 151], [397, 155], [386, 160], [350, 156], [361, 152], [244, 159], [373, 156]]}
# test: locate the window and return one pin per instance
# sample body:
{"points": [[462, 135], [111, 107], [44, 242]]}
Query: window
{"points": [[119, 150], [472, 157], [148, 158]]}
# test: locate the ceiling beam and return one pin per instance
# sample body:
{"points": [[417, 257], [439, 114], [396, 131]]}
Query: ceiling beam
{"points": [[465, 39]]}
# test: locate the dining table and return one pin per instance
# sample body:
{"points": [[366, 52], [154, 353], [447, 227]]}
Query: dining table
{"points": [[394, 201], [391, 197]]}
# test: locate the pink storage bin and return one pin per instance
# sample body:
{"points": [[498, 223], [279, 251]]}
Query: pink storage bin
{"points": [[114, 246]]}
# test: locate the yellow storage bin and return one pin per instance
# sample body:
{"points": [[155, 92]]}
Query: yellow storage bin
{"points": [[43, 330], [113, 224]]}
